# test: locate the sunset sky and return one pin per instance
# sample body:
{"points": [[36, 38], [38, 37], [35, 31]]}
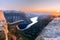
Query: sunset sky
{"points": [[30, 5]]}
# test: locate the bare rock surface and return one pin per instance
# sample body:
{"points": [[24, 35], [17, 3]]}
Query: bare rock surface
{"points": [[2, 35]]}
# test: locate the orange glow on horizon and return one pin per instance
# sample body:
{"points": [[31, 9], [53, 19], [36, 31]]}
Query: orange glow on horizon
{"points": [[31, 10], [37, 10], [57, 13]]}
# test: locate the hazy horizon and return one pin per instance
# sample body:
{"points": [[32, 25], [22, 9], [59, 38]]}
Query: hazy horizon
{"points": [[30, 5]]}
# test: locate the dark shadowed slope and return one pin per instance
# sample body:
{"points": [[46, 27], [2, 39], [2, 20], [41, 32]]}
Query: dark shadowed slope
{"points": [[36, 29]]}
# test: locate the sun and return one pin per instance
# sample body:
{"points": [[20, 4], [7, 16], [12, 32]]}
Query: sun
{"points": [[58, 11]]}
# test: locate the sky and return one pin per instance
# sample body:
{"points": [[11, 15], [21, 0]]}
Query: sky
{"points": [[30, 5]]}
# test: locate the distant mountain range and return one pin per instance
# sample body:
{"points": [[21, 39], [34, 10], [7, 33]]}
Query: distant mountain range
{"points": [[33, 14]]}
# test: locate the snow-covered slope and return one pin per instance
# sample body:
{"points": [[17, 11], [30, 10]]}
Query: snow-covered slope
{"points": [[34, 20], [51, 31]]}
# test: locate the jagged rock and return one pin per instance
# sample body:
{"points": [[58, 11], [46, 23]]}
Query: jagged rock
{"points": [[2, 35], [12, 32]]}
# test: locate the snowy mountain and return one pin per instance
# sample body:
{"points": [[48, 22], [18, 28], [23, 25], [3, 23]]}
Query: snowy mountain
{"points": [[51, 31], [12, 15]]}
